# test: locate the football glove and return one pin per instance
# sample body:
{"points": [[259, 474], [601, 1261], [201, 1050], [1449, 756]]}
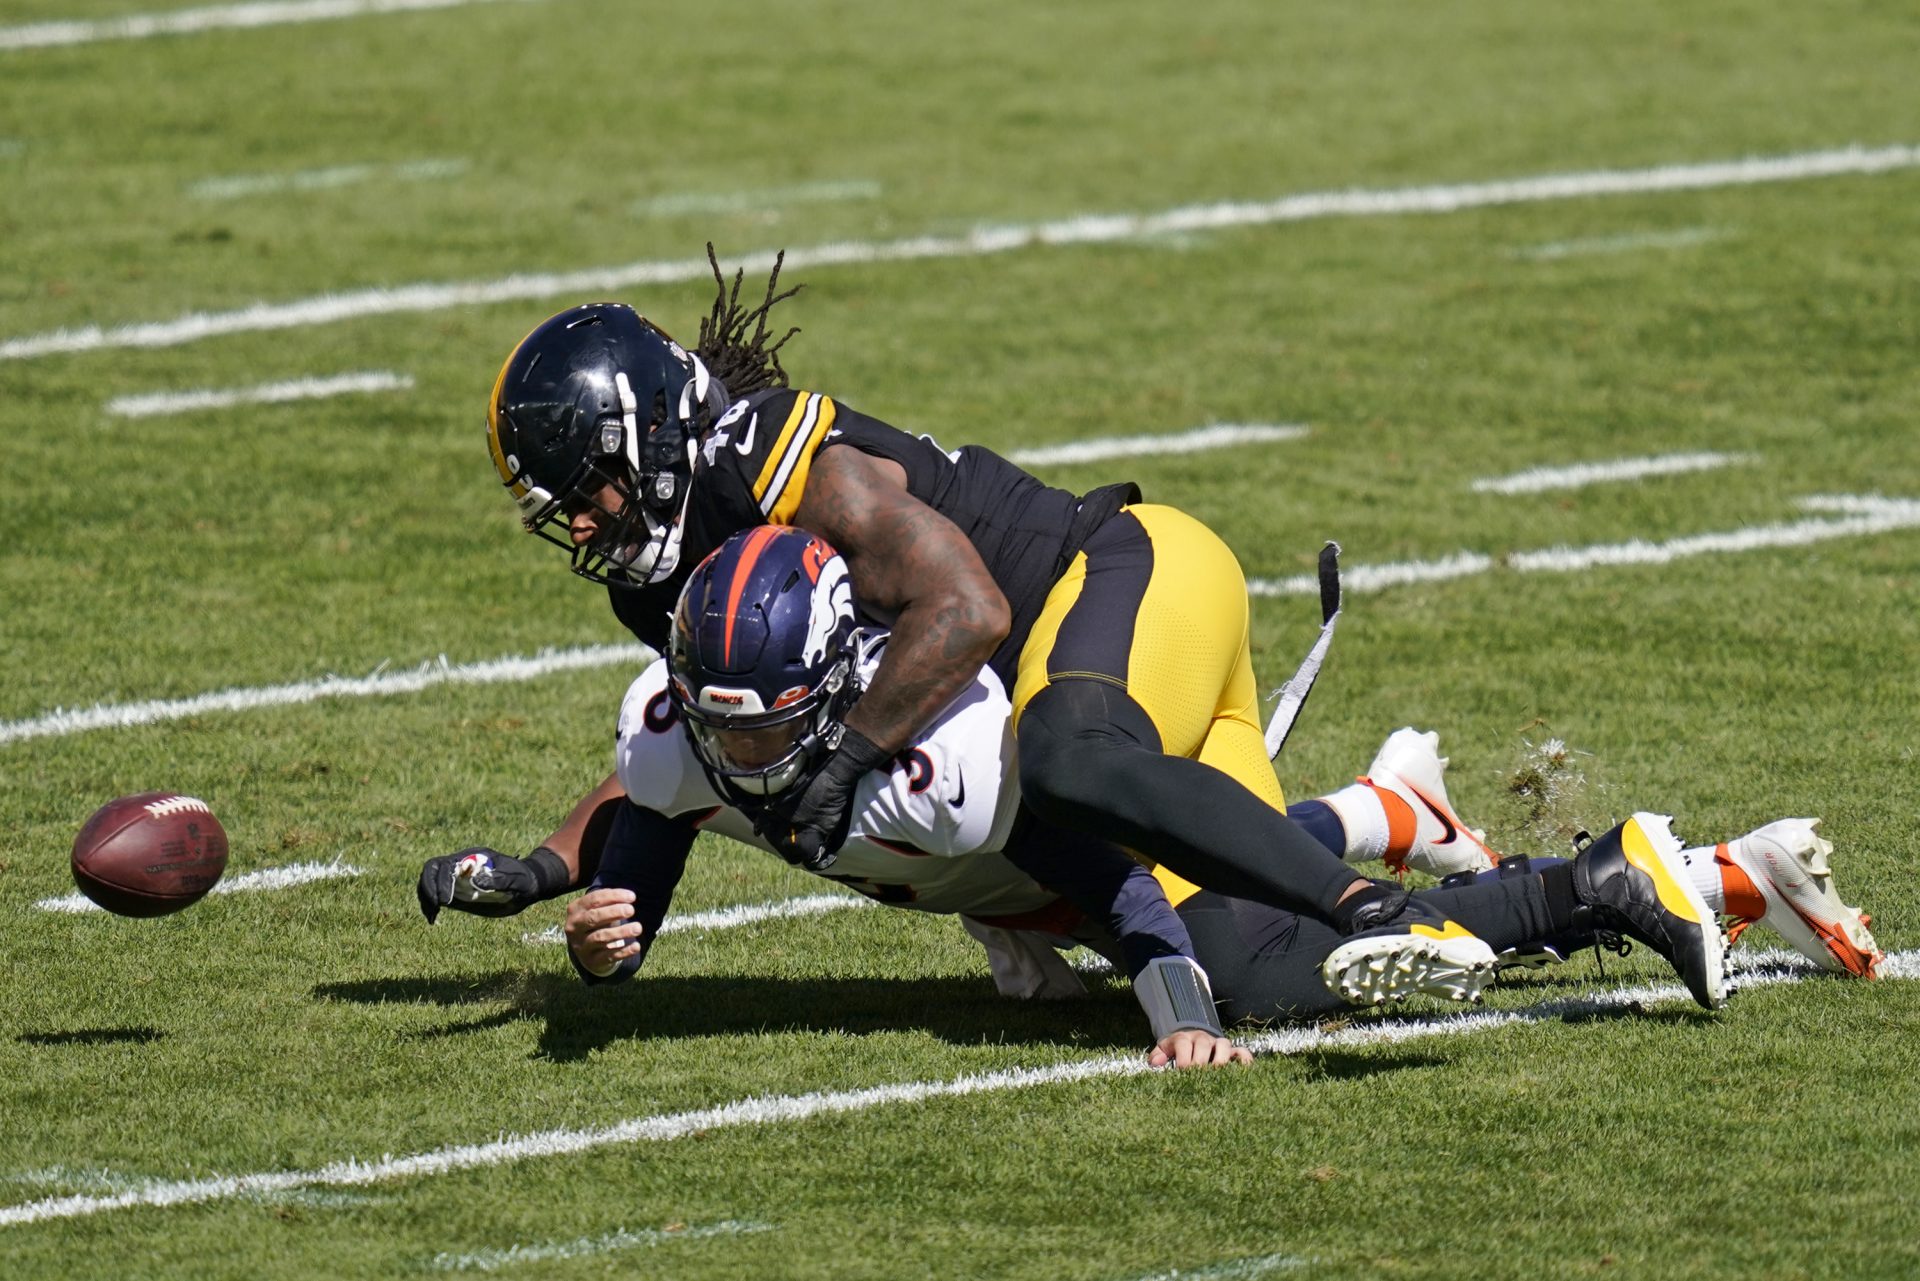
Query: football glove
{"points": [[488, 883], [808, 823]]}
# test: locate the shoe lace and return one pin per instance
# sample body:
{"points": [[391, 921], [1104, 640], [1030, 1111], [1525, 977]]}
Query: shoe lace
{"points": [[1610, 941]]}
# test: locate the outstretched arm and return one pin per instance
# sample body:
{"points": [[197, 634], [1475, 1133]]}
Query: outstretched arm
{"points": [[488, 883], [1124, 899]]}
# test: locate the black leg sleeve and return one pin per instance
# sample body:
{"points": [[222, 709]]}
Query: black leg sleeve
{"points": [[1264, 963], [1090, 760], [1505, 912]]}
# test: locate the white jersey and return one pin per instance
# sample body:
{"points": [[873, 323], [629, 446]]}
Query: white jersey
{"points": [[925, 834]]}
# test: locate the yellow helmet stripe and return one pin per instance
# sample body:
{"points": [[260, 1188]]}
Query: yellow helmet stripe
{"points": [[519, 488]]}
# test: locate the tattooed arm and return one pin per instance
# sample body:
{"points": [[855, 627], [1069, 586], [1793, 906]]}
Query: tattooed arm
{"points": [[909, 561]]}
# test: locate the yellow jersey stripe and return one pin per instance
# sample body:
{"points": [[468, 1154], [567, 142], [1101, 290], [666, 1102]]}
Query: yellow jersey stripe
{"points": [[783, 499], [770, 470]]}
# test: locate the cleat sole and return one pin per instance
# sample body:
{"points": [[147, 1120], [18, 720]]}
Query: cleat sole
{"points": [[1382, 968]]}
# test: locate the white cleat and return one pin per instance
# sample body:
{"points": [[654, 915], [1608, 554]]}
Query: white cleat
{"points": [[1410, 766], [1372, 969], [1787, 862]]}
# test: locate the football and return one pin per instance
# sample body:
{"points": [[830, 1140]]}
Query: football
{"points": [[149, 854]]}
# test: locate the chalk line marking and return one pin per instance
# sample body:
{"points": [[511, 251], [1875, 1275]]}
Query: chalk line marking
{"points": [[1856, 515], [101, 1179], [267, 878], [1219, 436], [1089, 229], [621, 1239], [1578, 475], [727, 918], [513, 668], [1626, 243], [1859, 515], [1258, 1265], [764, 200], [182, 22], [235, 186], [181, 402], [1750, 971]]}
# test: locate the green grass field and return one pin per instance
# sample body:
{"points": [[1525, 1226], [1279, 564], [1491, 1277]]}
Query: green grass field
{"points": [[151, 187]]}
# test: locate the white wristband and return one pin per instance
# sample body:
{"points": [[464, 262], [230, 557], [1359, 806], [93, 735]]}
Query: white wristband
{"points": [[1174, 992]]}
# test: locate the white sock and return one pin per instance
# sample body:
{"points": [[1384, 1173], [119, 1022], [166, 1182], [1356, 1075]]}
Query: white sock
{"points": [[1365, 819], [1704, 871]]}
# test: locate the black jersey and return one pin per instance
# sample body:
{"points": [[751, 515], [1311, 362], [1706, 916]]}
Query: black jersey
{"points": [[752, 469]]}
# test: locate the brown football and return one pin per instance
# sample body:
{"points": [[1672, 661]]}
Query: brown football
{"points": [[149, 854]]}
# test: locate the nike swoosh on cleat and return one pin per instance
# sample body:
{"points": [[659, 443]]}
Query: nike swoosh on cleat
{"points": [[1452, 831]]}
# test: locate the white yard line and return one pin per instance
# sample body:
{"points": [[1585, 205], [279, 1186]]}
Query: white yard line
{"points": [[1233, 1269], [235, 186], [512, 668], [726, 918], [1083, 230], [182, 22], [1626, 243], [582, 1247], [1220, 436], [267, 878], [181, 402], [1578, 475], [764, 200], [1750, 972], [1859, 515], [1855, 515]]}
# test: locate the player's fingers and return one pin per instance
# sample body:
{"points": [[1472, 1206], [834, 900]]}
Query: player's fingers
{"points": [[1225, 1051], [1241, 1054], [435, 889], [614, 935], [1183, 1050], [1158, 1057]]}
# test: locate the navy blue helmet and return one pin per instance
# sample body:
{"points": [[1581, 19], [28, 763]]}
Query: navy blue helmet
{"points": [[761, 661]]}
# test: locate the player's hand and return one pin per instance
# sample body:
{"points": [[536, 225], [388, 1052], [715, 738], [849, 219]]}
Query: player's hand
{"points": [[601, 931], [808, 823], [1195, 1047], [488, 883], [477, 879]]}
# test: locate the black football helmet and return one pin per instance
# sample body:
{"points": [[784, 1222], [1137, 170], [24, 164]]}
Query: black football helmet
{"points": [[598, 396], [763, 658]]}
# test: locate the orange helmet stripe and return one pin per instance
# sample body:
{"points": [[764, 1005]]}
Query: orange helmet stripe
{"points": [[749, 553]]}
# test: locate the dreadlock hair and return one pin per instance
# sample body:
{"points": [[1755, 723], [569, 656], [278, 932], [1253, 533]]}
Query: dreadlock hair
{"points": [[743, 363]]}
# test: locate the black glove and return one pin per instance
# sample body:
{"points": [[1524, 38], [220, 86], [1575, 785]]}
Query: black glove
{"points": [[808, 824], [488, 883]]}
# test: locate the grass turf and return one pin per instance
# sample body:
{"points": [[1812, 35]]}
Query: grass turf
{"points": [[163, 557]]}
